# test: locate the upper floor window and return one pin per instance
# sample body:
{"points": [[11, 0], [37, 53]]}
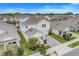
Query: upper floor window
{"points": [[43, 25]]}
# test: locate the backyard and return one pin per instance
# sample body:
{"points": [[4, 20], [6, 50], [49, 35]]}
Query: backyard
{"points": [[74, 44]]}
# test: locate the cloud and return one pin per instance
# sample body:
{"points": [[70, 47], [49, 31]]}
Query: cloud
{"points": [[53, 9], [45, 9], [75, 4], [60, 9], [12, 10]]}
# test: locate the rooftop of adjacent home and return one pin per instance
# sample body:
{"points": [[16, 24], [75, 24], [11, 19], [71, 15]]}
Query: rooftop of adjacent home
{"points": [[8, 32], [33, 20]]}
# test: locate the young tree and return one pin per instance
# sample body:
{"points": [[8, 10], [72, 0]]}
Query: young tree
{"points": [[64, 36], [32, 44], [43, 49], [67, 37]]}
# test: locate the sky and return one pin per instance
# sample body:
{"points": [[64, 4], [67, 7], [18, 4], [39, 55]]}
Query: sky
{"points": [[39, 7]]}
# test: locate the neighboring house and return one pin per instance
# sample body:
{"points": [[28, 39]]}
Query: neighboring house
{"points": [[50, 17], [6, 18], [20, 17], [8, 36], [77, 26], [36, 25]]}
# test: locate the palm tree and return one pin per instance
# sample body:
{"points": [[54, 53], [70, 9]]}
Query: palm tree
{"points": [[32, 44], [20, 52], [43, 49]]}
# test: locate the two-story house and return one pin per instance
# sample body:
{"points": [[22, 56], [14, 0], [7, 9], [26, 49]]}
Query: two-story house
{"points": [[37, 26]]}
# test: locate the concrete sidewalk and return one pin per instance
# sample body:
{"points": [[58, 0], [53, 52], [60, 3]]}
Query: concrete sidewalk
{"points": [[63, 48]]}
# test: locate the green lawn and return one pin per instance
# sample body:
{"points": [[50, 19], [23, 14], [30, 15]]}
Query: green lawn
{"points": [[75, 32], [23, 44], [74, 44], [61, 40]]}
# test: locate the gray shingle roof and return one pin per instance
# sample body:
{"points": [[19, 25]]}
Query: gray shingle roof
{"points": [[10, 32], [31, 32], [33, 20], [61, 25]]}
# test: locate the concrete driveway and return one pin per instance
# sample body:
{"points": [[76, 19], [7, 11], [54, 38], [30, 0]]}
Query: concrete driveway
{"points": [[52, 42]]}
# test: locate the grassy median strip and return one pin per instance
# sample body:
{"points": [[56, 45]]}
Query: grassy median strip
{"points": [[61, 40], [74, 44], [23, 44]]}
